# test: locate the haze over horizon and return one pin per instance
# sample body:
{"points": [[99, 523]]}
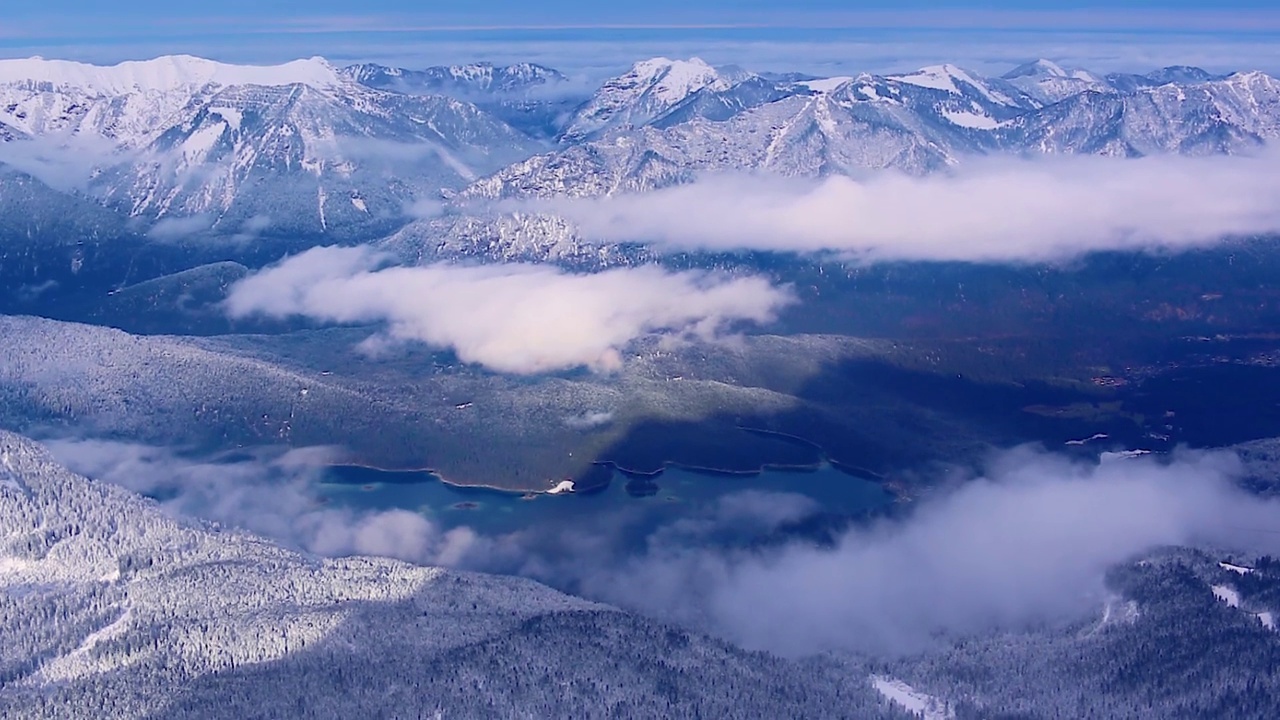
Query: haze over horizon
{"points": [[593, 40]]}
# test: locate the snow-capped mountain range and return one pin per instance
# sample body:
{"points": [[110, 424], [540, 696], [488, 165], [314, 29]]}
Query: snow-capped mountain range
{"points": [[916, 122], [532, 98], [292, 148], [474, 79], [310, 149]]}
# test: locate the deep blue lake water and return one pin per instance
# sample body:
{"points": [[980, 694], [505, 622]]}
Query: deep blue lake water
{"points": [[679, 493]]}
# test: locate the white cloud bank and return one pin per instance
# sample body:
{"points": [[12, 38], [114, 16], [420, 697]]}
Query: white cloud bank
{"points": [[512, 318], [1028, 542], [984, 210]]}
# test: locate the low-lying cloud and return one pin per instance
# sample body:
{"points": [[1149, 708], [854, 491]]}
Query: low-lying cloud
{"points": [[268, 491], [984, 210], [1027, 542], [179, 228], [64, 162], [589, 420], [515, 318]]}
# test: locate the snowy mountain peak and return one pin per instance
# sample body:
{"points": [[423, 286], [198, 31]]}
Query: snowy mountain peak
{"points": [[940, 77], [673, 79], [1049, 82], [163, 74], [1037, 68], [995, 94], [649, 89]]}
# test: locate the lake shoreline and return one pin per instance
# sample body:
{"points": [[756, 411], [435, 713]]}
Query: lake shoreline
{"points": [[585, 484]]}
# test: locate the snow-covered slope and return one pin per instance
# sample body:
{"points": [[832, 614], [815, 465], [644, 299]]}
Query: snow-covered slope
{"points": [[805, 135], [868, 122], [532, 98], [305, 159], [289, 148], [917, 122], [1234, 114], [109, 604], [220, 599]]}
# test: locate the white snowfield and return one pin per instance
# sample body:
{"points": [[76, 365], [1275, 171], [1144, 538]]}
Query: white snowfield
{"points": [[970, 119], [624, 140], [1231, 597], [826, 84], [1227, 594], [921, 704]]}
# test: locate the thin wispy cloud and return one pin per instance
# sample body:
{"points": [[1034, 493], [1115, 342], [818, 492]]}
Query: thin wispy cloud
{"points": [[596, 52]]}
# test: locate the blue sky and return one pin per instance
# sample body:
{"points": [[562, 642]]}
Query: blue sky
{"points": [[596, 38]]}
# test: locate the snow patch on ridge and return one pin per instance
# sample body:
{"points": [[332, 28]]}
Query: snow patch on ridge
{"points": [[973, 120], [944, 77]]}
